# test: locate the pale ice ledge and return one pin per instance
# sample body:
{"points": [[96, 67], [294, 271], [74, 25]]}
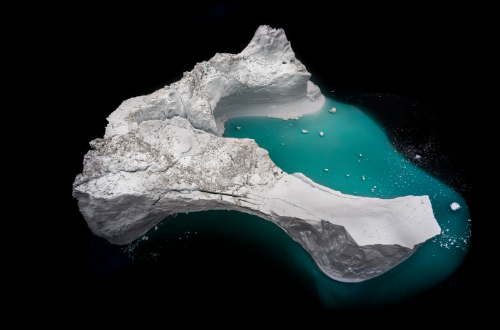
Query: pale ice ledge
{"points": [[163, 154]]}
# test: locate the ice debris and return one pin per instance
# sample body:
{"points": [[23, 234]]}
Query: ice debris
{"points": [[238, 128], [321, 133], [326, 170], [304, 131], [333, 110], [455, 206]]}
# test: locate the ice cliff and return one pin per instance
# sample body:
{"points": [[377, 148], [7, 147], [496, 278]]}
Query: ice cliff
{"points": [[163, 154]]}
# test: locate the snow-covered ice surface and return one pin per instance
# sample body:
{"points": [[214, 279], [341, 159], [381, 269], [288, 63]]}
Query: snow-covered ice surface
{"points": [[163, 154]]}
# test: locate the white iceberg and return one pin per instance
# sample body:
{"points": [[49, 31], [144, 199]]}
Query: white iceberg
{"points": [[321, 133], [333, 110], [304, 131], [455, 206], [163, 154]]}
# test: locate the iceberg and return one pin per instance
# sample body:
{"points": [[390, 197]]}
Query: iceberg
{"points": [[164, 153]]}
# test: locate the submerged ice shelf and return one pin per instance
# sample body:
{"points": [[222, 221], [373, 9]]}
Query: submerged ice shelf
{"points": [[163, 154]]}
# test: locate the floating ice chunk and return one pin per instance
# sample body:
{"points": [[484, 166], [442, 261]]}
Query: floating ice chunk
{"points": [[347, 174], [238, 128], [360, 155], [282, 144], [326, 170], [304, 131], [333, 110], [290, 124], [321, 133], [374, 187], [454, 206], [363, 178], [417, 157], [156, 227]]}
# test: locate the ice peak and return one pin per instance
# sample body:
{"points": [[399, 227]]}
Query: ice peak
{"points": [[269, 44]]}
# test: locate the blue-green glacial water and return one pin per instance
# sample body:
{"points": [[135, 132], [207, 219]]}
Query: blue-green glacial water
{"points": [[353, 144]]}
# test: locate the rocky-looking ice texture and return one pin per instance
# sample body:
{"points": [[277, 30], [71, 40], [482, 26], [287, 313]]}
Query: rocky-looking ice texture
{"points": [[163, 154]]}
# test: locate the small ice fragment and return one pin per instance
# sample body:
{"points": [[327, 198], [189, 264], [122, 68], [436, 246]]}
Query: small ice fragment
{"points": [[156, 227], [326, 170], [363, 178], [359, 161], [417, 157], [360, 155], [333, 110], [374, 187], [321, 133], [290, 124], [238, 128], [454, 206], [304, 131], [347, 174], [282, 144]]}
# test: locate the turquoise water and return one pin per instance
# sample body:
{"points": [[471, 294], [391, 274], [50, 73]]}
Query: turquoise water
{"points": [[347, 134]]}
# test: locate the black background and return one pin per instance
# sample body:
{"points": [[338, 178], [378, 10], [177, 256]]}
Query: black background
{"points": [[408, 54]]}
